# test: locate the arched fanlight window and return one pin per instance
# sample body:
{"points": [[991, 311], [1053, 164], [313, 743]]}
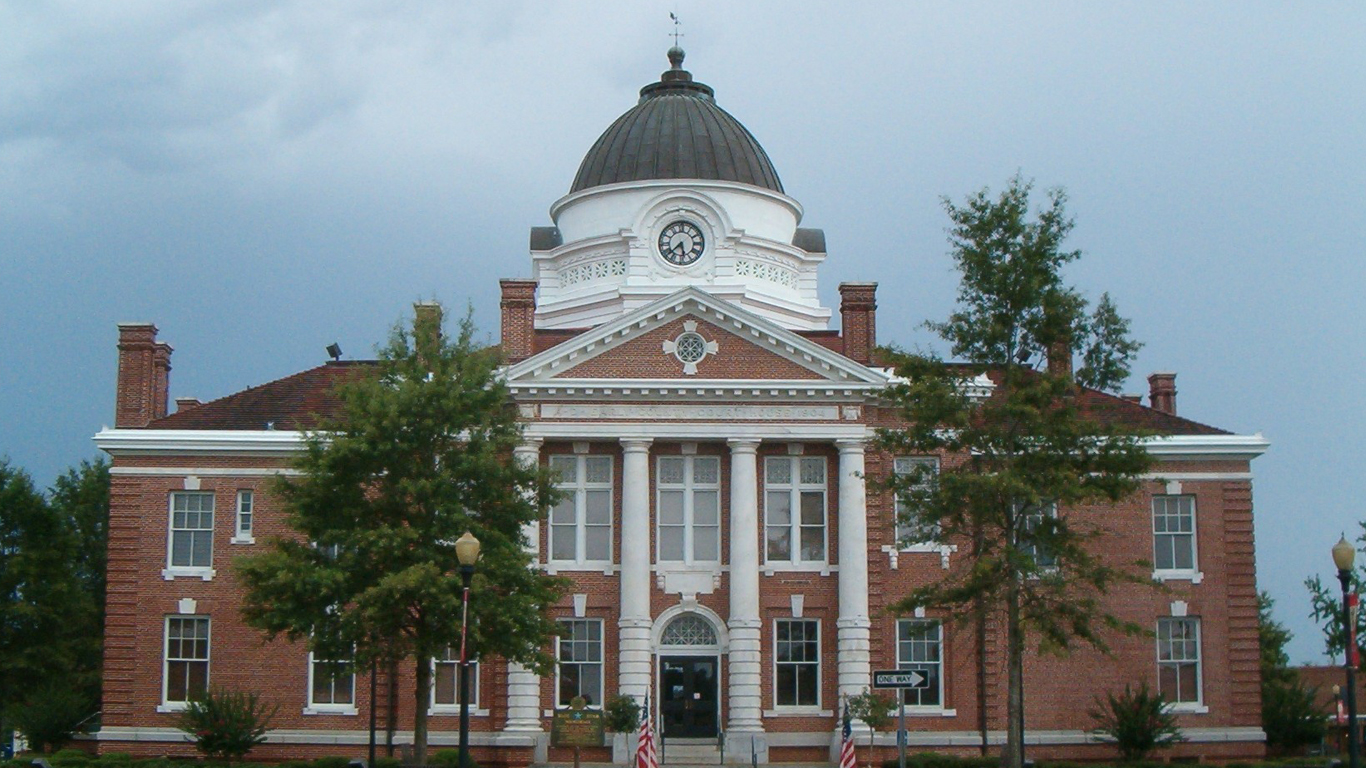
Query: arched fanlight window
{"points": [[689, 629]]}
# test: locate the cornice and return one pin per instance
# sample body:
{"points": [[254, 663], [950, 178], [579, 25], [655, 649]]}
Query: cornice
{"points": [[1173, 447], [199, 441]]}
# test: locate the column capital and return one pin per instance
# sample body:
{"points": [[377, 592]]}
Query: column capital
{"points": [[851, 444], [743, 444], [528, 445], [636, 444]]}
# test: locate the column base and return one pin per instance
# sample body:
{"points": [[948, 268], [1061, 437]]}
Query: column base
{"points": [[742, 747]]}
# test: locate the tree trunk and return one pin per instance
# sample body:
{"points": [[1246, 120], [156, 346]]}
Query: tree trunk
{"points": [[421, 698], [391, 711], [1013, 755]]}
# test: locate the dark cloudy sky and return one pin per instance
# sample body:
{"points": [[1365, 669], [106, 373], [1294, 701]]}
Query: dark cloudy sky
{"points": [[261, 179]]}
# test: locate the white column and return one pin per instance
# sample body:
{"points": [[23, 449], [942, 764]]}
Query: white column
{"points": [[634, 656], [855, 671], [746, 703], [524, 685]]}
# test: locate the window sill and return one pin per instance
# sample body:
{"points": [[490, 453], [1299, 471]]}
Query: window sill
{"points": [[173, 573], [798, 712], [173, 706], [1194, 577], [330, 709], [555, 566], [442, 710], [929, 712], [242, 540], [1188, 708], [824, 569]]}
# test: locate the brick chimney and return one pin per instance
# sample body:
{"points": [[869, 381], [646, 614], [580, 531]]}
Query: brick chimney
{"points": [[858, 320], [1060, 358], [1162, 392], [183, 404], [519, 313], [144, 376]]}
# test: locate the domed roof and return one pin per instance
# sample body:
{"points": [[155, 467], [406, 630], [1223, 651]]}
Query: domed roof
{"points": [[676, 131]]}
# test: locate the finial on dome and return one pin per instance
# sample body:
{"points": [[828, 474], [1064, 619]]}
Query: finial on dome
{"points": [[676, 57]]}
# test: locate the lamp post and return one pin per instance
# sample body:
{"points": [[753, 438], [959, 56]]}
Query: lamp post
{"points": [[467, 552], [1343, 555]]}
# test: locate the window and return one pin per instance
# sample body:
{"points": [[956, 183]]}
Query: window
{"points": [[920, 647], [689, 509], [246, 505], [580, 655], [1178, 660], [797, 651], [581, 524], [331, 686], [186, 673], [1174, 533], [446, 680], [191, 544], [923, 471], [794, 509], [1030, 523]]}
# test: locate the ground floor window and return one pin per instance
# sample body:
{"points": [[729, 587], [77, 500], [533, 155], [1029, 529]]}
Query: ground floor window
{"points": [[920, 647], [331, 684], [579, 650], [186, 672], [446, 680], [797, 654], [1178, 660]]}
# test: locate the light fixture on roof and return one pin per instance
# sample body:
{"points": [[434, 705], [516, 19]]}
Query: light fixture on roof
{"points": [[334, 349]]}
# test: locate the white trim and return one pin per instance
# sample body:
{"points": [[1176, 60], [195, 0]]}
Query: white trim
{"points": [[670, 186], [434, 708], [1217, 735], [702, 431], [1192, 573], [318, 736], [577, 493], [601, 662], [172, 571], [795, 488], [922, 710], [688, 606], [204, 471], [799, 712], [689, 489], [1207, 446], [167, 705], [238, 537], [1184, 706], [258, 442], [912, 711], [1192, 477]]}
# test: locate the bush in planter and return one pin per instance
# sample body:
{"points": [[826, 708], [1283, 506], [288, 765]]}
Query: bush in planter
{"points": [[621, 714], [227, 724], [1139, 722]]}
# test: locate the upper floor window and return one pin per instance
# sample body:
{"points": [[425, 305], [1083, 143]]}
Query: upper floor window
{"points": [[579, 650], [920, 647], [689, 509], [581, 524], [797, 658], [1174, 533], [191, 544], [794, 509], [1032, 521], [922, 471], [1178, 660], [246, 514], [185, 670], [446, 680]]}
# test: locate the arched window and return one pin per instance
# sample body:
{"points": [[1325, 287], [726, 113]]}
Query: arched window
{"points": [[689, 629]]}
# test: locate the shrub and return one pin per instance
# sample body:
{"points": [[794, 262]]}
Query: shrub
{"points": [[1290, 715], [1138, 721], [332, 761], [50, 715], [115, 757], [227, 724], [388, 762], [621, 714], [450, 758]]}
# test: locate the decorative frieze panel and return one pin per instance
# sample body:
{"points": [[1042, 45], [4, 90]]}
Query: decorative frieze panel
{"points": [[650, 411], [768, 272], [595, 270]]}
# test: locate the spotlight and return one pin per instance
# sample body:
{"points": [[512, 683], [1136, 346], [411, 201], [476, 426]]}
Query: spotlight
{"points": [[334, 350]]}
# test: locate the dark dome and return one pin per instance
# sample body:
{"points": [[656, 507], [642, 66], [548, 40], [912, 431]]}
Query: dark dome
{"points": [[676, 132]]}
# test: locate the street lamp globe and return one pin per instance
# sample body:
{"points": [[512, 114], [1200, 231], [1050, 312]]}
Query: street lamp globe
{"points": [[467, 549], [1343, 554]]}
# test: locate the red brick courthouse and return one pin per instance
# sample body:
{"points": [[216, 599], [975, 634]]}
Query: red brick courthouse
{"points": [[671, 358]]}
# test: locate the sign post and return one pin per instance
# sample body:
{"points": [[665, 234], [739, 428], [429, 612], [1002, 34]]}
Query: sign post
{"points": [[899, 680]]}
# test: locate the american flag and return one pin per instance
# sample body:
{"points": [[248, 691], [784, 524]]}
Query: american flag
{"points": [[847, 758], [646, 757]]}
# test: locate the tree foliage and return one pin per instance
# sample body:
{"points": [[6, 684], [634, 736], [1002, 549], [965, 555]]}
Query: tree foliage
{"points": [[1020, 453], [1290, 714], [1139, 721], [421, 453], [50, 625], [1325, 603]]}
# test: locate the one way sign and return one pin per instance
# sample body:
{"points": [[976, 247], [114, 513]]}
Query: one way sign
{"points": [[900, 678]]}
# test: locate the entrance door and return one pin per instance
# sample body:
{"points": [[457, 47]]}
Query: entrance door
{"points": [[688, 696]]}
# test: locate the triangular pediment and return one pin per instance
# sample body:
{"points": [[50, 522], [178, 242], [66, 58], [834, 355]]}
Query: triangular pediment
{"points": [[693, 337]]}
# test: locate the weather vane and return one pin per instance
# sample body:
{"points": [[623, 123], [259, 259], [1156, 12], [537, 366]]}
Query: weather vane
{"points": [[676, 33]]}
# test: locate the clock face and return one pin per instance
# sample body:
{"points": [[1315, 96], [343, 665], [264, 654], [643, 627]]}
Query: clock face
{"points": [[681, 243]]}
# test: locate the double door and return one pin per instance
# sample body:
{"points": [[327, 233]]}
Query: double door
{"points": [[689, 695]]}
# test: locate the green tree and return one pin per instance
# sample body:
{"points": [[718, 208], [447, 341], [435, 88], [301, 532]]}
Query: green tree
{"points": [[1290, 715], [1325, 604], [1139, 721], [80, 498], [1024, 450], [420, 453], [47, 619], [874, 710]]}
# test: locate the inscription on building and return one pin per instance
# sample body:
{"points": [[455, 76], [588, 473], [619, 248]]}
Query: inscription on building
{"points": [[691, 412]]}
